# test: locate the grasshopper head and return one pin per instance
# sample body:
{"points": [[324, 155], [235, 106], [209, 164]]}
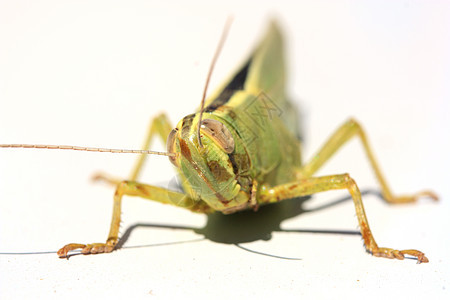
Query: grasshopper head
{"points": [[207, 169]]}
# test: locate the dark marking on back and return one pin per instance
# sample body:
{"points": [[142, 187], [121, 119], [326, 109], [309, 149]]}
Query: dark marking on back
{"points": [[236, 84]]}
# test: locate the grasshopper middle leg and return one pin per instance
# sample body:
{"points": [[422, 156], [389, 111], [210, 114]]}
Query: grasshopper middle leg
{"points": [[344, 133], [159, 126]]}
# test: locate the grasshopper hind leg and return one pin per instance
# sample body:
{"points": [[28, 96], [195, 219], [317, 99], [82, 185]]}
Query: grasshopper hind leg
{"points": [[312, 185], [307, 185]]}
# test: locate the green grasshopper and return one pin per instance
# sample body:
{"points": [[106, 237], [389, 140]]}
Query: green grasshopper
{"points": [[241, 150]]}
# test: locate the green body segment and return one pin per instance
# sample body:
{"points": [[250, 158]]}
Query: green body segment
{"points": [[254, 108]]}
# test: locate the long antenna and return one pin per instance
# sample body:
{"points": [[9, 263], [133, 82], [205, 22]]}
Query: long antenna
{"points": [[89, 149], [225, 31]]}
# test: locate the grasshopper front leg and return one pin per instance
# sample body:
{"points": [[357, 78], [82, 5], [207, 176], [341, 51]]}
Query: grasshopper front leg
{"points": [[132, 188], [314, 185], [159, 126]]}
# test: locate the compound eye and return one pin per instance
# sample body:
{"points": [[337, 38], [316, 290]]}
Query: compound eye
{"points": [[171, 146], [219, 133]]}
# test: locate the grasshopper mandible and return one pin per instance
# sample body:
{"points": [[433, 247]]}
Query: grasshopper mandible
{"points": [[228, 162]]}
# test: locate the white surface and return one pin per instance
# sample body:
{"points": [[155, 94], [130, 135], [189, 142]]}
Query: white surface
{"points": [[94, 73]]}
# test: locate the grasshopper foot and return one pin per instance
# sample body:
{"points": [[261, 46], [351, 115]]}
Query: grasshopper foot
{"points": [[94, 248], [413, 198], [400, 254], [108, 179]]}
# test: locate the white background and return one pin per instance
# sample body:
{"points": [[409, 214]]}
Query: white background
{"points": [[95, 72]]}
